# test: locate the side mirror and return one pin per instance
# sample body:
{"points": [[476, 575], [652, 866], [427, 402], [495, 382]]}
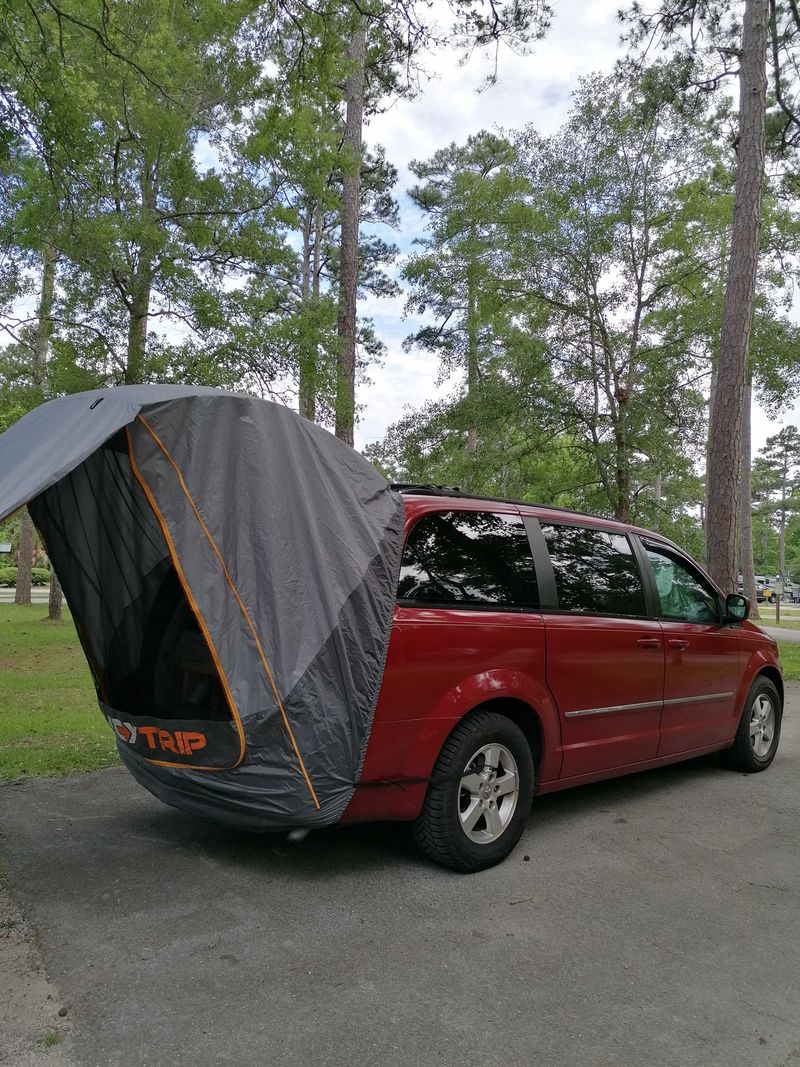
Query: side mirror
{"points": [[737, 607]]}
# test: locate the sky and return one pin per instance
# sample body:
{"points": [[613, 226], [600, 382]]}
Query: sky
{"points": [[533, 89]]}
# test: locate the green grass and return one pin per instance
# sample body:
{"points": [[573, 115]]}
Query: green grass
{"points": [[49, 719], [51, 1039], [790, 659]]}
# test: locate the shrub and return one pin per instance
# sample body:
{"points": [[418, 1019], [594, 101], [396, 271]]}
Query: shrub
{"points": [[8, 577]]}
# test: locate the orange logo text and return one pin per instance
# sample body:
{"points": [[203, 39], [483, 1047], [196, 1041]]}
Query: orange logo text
{"points": [[180, 743]]}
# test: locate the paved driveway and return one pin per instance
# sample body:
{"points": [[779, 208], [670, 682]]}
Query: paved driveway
{"points": [[782, 633], [652, 920]]}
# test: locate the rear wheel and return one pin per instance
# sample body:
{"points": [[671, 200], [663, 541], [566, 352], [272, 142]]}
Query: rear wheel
{"points": [[477, 803], [759, 729]]}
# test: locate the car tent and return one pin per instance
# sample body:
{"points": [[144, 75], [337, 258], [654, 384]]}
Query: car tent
{"points": [[231, 569]]}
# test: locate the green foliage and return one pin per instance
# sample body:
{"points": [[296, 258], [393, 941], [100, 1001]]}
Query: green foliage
{"points": [[765, 545], [704, 38], [291, 312], [573, 290], [566, 285], [40, 576], [775, 485], [474, 203], [173, 154], [620, 257], [184, 161], [123, 119]]}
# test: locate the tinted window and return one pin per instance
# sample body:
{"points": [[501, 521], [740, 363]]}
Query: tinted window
{"points": [[469, 557], [595, 571], [682, 593]]}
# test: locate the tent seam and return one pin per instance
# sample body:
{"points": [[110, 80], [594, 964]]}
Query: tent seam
{"points": [[384, 657], [193, 604], [239, 601]]}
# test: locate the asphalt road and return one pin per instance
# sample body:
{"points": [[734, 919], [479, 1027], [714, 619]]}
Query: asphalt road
{"points": [[40, 594], [650, 920], [781, 633]]}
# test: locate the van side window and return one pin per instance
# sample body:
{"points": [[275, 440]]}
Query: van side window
{"points": [[469, 559], [682, 593], [595, 571]]}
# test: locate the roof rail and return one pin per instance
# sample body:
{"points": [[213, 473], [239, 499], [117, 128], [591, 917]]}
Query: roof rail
{"points": [[436, 490], [455, 491]]}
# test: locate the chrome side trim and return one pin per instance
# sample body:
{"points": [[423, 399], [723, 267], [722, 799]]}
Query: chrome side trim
{"points": [[697, 700], [616, 708]]}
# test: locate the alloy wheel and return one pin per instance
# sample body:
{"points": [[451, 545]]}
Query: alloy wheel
{"points": [[488, 793], [762, 725]]}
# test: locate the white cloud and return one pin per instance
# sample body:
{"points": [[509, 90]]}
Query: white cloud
{"points": [[533, 89]]}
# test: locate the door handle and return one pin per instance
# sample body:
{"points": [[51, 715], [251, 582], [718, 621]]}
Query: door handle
{"points": [[649, 642], [677, 642]]}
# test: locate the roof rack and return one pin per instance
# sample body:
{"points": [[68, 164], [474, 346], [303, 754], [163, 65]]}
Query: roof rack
{"points": [[435, 490], [455, 491]]}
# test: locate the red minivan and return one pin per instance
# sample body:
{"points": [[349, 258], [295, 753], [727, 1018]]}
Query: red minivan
{"points": [[535, 649]]}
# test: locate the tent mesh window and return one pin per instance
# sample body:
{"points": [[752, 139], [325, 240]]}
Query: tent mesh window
{"points": [[141, 637]]}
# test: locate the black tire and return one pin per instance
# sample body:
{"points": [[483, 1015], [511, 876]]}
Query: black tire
{"points": [[438, 831], [744, 755]]}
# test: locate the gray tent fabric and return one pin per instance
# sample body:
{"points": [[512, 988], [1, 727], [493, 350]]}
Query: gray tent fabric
{"points": [[231, 568], [33, 457]]}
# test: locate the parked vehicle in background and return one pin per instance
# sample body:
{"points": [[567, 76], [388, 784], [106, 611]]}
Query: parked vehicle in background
{"points": [[535, 649], [765, 590]]}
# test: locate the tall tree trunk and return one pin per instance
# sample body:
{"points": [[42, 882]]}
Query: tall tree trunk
{"points": [[56, 600], [44, 326], [712, 392], [351, 210], [137, 322], [745, 504], [316, 271], [319, 227], [762, 563], [308, 350], [725, 446], [24, 559], [657, 493], [142, 284], [472, 364], [622, 469], [41, 354], [622, 482], [712, 389], [41, 344]]}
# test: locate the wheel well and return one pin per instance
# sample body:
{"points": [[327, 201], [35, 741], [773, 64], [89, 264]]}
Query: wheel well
{"points": [[524, 716], [775, 677]]}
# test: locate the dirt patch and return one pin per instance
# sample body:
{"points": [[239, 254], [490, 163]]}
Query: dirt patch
{"points": [[32, 1032]]}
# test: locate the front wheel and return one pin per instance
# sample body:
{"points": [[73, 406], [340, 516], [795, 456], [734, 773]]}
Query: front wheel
{"points": [[480, 794], [759, 729]]}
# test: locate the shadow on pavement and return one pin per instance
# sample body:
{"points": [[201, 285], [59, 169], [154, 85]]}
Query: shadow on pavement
{"points": [[352, 849]]}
